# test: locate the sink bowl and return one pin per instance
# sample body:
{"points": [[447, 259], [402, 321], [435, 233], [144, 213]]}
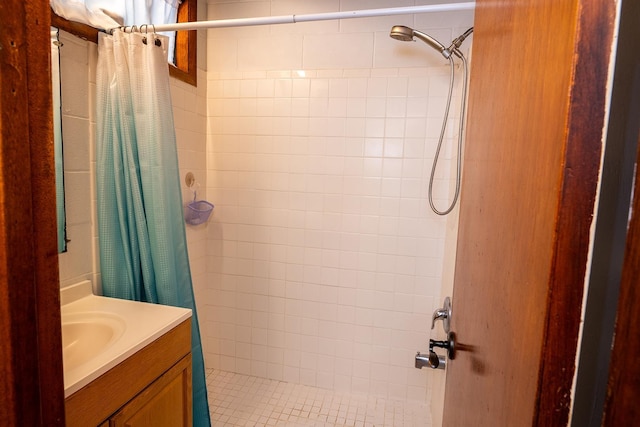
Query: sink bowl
{"points": [[98, 333], [86, 335]]}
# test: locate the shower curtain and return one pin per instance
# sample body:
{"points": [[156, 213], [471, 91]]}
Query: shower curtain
{"points": [[143, 248], [57, 140]]}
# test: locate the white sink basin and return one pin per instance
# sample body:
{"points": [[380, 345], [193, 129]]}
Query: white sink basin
{"points": [[98, 332], [86, 335]]}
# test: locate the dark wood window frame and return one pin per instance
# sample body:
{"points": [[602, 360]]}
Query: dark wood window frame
{"points": [[185, 68]]}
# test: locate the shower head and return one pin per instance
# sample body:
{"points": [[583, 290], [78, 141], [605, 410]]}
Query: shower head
{"points": [[406, 34], [402, 33]]}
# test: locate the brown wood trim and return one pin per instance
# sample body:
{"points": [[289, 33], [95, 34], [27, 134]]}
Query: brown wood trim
{"points": [[610, 238], [88, 405], [76, 28], [186, 67], [186, 46], [45, 237], [17, 308], [580, 177], [30, 354], [623, 391]]}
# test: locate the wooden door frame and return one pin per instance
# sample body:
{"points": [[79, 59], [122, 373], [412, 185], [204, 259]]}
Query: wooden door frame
{"points": [[588, 98], [611, 232], [32, 387], [623, 391]]}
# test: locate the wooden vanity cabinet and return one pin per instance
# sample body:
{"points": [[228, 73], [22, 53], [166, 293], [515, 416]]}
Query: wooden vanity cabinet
{"points": [[150, 388], [165, 403]]}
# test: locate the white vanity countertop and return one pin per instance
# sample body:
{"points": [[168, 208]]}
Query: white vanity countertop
{"points": [[137, 324]]}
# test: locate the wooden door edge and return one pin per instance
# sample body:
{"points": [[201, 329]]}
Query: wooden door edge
{"points": [[576, 209]]}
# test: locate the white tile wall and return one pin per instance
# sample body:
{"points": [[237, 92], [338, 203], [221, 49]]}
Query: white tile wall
{"points": [[77, 60], [324, 260], [189, 111]]}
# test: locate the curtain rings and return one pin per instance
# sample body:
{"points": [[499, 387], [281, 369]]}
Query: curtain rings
{"points": [[156, 41], [110, 31], [146, 28], [135, 29]]}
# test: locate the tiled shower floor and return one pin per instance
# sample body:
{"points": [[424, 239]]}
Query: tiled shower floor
{"points": [[242, 400]]}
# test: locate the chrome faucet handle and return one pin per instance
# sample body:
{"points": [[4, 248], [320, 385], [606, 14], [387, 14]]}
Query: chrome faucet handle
{"points": [[439, 314], [443, 314]]}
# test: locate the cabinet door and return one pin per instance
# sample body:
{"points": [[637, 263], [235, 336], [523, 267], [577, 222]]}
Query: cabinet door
{"points": [[166, 402]]}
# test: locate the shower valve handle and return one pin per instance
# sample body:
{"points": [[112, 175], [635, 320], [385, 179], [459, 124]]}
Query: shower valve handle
{"points": [[443, 314], [449, 344], [439, 314]]}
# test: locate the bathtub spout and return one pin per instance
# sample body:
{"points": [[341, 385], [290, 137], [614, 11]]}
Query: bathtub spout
{"points": [[432, 360]]}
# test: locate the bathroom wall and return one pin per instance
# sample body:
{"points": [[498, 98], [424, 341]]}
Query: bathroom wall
{"points": [[78, 66], [77, 77], [324, 260], [190, 117]]}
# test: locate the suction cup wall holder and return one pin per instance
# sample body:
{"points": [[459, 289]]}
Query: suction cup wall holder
{"points": [[197, 211]]}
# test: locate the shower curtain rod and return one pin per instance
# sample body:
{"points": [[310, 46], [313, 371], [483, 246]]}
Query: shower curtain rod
{"points": [[292, 19]]}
